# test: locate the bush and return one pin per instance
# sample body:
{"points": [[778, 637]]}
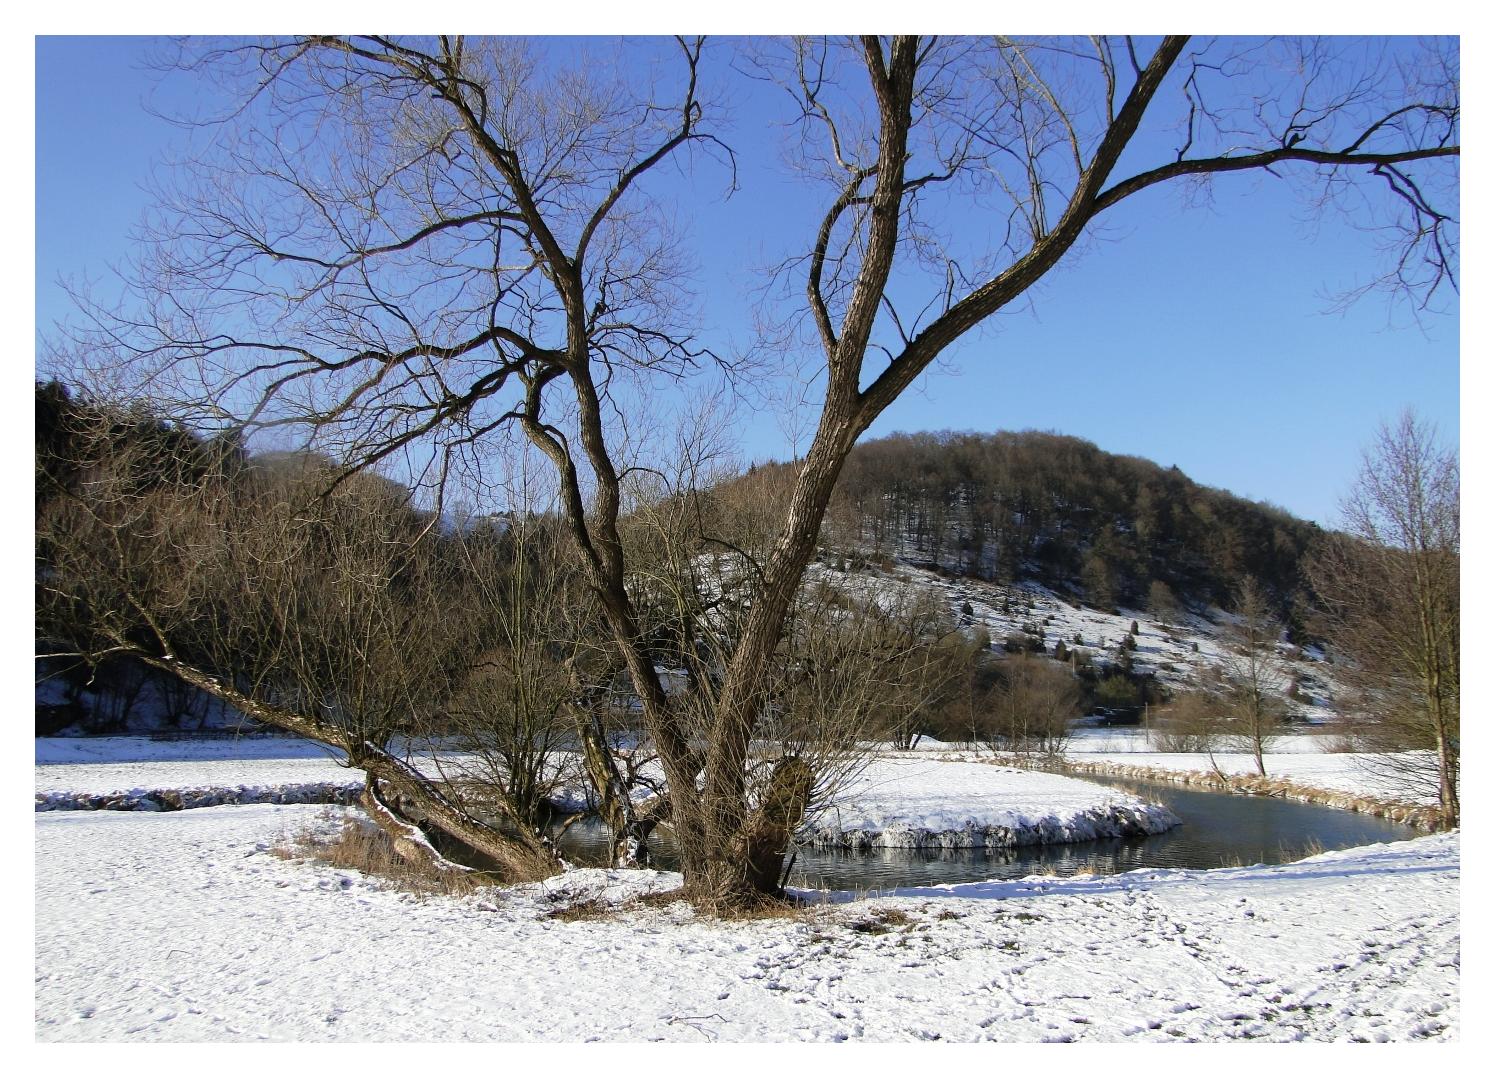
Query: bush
{"points": [[1032, 706], [1117, 691], [1022, 643]]}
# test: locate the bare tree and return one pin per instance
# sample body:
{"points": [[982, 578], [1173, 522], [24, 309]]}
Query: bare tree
{"points": [[1190, 722], [408, 244], [1388, 589], [1032, 707], [506, 731], [1252, 675]]}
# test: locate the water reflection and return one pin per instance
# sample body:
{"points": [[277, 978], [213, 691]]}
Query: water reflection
{"points": [[1219, 829]]}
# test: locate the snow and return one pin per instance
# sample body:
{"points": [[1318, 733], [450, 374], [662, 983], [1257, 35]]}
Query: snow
{"points": [[915, 801], [909, 801], [1351, 773], [1177, 651], [184, 926], [249, 769], [119, 750]]}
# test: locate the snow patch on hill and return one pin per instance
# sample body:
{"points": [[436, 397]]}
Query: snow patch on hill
{"points": [[1178, 652]]}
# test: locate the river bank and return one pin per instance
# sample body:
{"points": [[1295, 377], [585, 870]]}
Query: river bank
{"points": [[1354, 945], [906, 801]]}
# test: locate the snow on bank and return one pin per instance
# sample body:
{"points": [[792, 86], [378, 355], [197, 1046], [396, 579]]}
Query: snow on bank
{"points": [[914, 802], [903, 802], [183, 926], [70, 770], [140, 773], [158, 799], [1350, 773]]}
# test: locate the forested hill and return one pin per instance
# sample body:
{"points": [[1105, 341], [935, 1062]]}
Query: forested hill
{"points": [[1107, 529]]}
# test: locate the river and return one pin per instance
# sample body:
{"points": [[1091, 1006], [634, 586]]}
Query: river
{"points": [[1219, 829]]}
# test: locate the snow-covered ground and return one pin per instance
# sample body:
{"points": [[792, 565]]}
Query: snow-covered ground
{"points": [[1299, 759], [183, 926], [919, 801], [909, 801], [106, 764]]}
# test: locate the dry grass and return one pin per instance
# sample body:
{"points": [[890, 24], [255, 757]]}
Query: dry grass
{"points": [[766, 908], [1309, 847], [361, 847], [664, 898]]}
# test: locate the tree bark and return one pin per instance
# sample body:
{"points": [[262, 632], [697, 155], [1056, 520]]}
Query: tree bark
{"points": [[630, 830], [750, 868]]}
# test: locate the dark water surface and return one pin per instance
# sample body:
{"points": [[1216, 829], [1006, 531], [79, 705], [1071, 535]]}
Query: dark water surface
{"points": [[1219, 829]]}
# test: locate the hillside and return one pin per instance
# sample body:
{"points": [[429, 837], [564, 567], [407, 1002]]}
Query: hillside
{"points": [[1177, 653], [1045, 543], [1103, 529]]}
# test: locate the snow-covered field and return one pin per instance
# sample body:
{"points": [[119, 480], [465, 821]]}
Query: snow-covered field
{"points": [[895, 802], [918, 801], [1299, 759], [183, 926], [106, 764]]}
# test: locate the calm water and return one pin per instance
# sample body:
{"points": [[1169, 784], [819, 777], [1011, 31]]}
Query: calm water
{"points": [[1218, 829]]}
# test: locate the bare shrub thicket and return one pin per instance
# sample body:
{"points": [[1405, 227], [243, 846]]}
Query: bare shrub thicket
{"points": [[330, 612], [506, 731], [1032, 707], [1190, 722]]}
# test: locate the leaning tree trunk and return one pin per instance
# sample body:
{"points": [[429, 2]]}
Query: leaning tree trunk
{"points": [[521, 854], [409, 842], [519, 857]]}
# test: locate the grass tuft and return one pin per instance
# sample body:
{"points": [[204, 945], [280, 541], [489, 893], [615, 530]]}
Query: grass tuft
{"points": [[361, 847]]}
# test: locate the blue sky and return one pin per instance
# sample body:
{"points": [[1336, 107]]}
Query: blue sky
{"points": [[1194, 337]]}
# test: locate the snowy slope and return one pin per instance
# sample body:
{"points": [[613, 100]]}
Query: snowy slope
{"points": [[181, 926], [1165, 649]]}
